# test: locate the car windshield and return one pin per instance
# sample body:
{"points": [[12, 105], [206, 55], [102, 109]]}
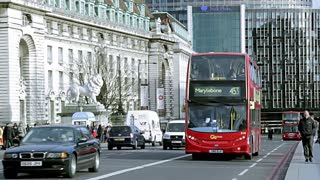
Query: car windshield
{"points": [[175, 127], [49, 134], [217, 117]]}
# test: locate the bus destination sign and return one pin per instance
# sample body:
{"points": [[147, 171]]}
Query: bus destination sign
{"points": [[215, 91]]}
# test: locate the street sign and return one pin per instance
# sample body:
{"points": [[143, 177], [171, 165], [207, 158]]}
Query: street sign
{"points": [[160, 99]]}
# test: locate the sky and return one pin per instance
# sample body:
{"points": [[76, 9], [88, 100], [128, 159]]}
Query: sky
{"points": [[316, 3]]}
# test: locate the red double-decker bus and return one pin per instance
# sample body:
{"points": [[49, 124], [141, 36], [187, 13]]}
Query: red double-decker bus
{"points": [[223, 110], [290, 122]]}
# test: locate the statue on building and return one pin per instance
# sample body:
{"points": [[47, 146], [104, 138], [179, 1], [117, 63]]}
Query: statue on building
{"points": [[91, 89]]}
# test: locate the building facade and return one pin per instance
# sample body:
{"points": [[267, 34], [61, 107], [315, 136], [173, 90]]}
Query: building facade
{"points": [[43, 44], [283, 37], [178, 8]]}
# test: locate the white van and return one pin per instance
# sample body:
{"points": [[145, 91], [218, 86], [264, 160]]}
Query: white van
{"points": [[174, 135], [83, 118], [148, 122]]}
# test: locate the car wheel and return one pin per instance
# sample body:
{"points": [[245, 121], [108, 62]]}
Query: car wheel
{"points": [[96, 166], [164, 147], [110, 147], [135, 145], [71, 170], [10, 174], [170, 147], [119, 147], [143, 145], [160, 143], [154, 141]]}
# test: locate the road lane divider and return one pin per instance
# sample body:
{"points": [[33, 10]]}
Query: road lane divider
{"points": [[137, 168], [243, 172], [253, 165]]}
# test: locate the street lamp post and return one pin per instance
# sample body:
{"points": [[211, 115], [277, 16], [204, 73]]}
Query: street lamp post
{"points": [[139, 83]]}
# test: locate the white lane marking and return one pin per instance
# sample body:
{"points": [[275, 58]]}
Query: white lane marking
{"points": [[234, 178], [136, 168], [243, 172], [253, 165]]}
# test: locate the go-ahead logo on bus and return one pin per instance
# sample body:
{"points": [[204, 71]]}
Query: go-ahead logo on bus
{"points": [[212, 136]]}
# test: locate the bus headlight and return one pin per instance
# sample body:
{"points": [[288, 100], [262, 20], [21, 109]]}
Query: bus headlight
{"points": [[193, 139], [240, 139]]}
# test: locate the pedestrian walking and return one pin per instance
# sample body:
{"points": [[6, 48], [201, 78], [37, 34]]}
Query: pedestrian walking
{"points": [[307, 129], [9, 135], [270, 133], [21, 131], [1, 136], [27, 128]]}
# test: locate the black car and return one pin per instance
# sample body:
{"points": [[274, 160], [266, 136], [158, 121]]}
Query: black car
{"points": [[58, 149], [125, 136]]}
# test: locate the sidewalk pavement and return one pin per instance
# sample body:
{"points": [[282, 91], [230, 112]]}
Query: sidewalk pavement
{"points": [[301, 170]]}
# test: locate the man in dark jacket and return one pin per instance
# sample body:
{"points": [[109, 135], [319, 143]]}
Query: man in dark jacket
{"points": [[307, 128]]}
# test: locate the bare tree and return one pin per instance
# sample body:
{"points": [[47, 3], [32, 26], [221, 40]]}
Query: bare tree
{"points": [[116, 88]]}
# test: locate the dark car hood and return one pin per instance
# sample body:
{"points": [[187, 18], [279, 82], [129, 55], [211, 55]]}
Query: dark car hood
{"points": [[41, 147]]}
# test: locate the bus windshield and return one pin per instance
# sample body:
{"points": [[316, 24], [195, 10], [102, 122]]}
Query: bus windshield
{"points": [[291, 116], [218, 67], [290, 129], [217, 117]]}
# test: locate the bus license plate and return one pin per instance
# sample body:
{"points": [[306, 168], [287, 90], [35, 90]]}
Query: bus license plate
{"points": [[119, 139], [31, 163], [215, 151]]}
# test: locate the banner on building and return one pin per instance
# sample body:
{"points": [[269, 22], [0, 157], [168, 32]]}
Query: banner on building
{"points": [[160, 98], [144, 95]]}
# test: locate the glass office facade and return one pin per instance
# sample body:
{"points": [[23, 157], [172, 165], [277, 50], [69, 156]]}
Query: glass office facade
{"points": [[178, 8], [285, 43], [284, 39], [216, 29]]}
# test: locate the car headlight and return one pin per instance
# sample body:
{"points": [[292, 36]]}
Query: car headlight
{"points": [[166, 136], [57, 155], [10, 156]]}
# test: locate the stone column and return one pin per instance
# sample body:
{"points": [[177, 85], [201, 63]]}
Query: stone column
{"points": [[154, 57]]}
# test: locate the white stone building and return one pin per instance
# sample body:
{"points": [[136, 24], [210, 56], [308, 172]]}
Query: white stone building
{"points": [[40, 42]]}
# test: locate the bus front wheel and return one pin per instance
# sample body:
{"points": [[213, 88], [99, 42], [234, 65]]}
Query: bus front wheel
{"points": [[248, 156], [255, 154], [196, 156]]}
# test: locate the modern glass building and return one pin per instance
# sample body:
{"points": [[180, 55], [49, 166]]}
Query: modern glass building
{"points": [[283, 37], [207, 22], [178, 8]]}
